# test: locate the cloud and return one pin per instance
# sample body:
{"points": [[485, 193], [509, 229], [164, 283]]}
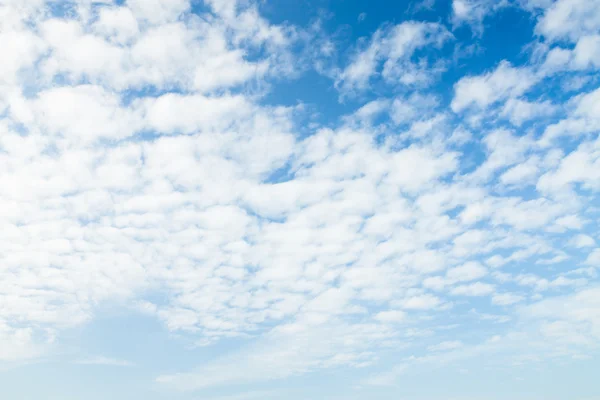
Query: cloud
{"points": [[421, 302], [582, 120], [519, 111], [390, 53], [391, 316], [473, 12], [522, 174], [506, 299], [582, 240], [484, 90], [593, 258], [473, 289], [417, 106], [569, 19], [158, 11], [576, 167], [163, 44], [467, 272]]}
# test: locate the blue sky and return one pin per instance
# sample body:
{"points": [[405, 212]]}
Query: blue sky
{"points": [[318, 199]]}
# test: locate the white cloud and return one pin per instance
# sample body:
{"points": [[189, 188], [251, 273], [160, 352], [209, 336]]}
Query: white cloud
{"points": [[417, 106], [158, 11], [421, 302], [20, 51], [519, 111], [173, 113], [473, 289], [389, 53], [582, 240], [505, 149], [522, 174], [580, 166], [581, 58], [391, 316], [569, 19], [473, 12], [593, 258], [585, 54], [83, 113], [484, 90], [162, 44], [506, 299], [466, 272], [582, 120], [117, 24]]}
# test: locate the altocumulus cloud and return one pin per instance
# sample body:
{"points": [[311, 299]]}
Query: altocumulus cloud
{"points": [[154, 155]]}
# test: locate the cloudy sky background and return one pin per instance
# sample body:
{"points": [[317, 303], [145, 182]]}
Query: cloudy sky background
{"points": [[317, 199]]}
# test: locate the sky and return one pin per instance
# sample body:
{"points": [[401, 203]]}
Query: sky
{"points": [[310, 199]]}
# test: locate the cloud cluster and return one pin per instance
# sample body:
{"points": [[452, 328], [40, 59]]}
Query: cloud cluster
{"points": [[400, 54], [138, 157]]}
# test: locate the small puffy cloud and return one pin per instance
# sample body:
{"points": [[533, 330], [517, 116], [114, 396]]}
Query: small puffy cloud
{"points": [[473, 12], [117, 24], [466, 272], [21, 48], [473, 289], [580, 166], [505, 149], [416, 106], [519, 111], [84, 113], [506, 299], [593, 258], [586, 53], [569, 222], [569, 19], [157, 11], [484, 90], [582, 120], [522, 174], [390, 53], [581, 241], [391, 316], [421, 302]]}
